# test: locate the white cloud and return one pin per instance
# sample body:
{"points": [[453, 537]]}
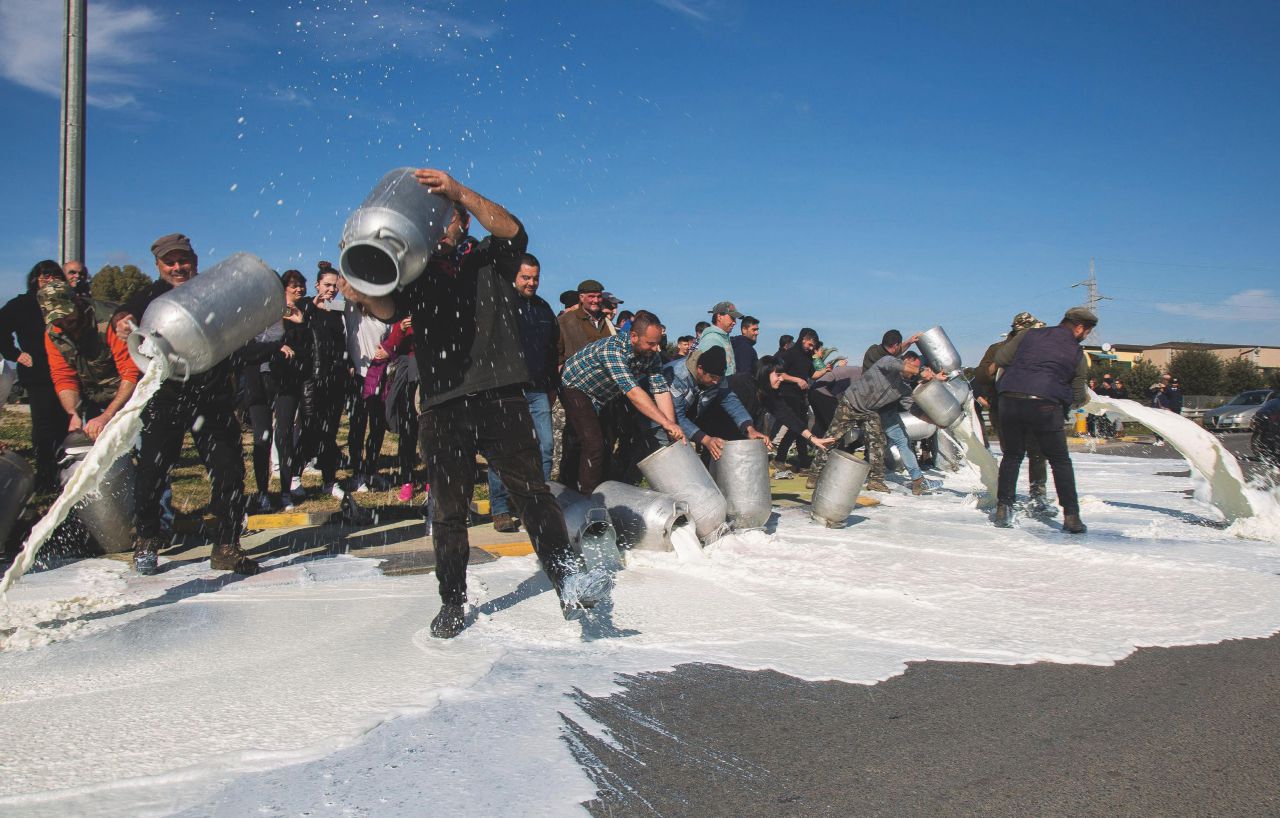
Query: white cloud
{"points": [[1248, 305], [31, 48]]}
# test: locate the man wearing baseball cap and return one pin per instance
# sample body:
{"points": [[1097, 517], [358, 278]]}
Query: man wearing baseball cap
{"points": [[1045, 372], [92, 371], [724, 316], [204, 405]]}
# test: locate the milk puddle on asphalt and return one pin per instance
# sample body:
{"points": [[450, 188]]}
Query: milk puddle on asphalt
{"points": [[315, 688]]}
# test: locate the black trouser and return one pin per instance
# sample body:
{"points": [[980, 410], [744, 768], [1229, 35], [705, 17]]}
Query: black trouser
{"points": [[48, 429], [319, 415], [1023, 420], [216, 433], [407, 446], [800, 406], [368, 415], [260, 424], [1037, 467], [286, 415], [496, 423]]}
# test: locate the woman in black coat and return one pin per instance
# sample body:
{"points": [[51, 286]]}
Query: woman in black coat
{"points": [[21, 317]]}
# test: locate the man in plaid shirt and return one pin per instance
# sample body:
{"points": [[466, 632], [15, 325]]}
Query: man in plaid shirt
{"points": [[624, 364]]}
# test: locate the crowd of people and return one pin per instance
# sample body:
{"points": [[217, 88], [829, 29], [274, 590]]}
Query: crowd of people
{"points": [[469, 358]]}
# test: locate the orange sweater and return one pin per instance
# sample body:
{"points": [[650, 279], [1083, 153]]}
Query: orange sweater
{"points": [[65, 377]]}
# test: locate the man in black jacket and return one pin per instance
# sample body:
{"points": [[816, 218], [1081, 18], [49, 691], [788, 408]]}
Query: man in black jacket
{"points": [[1044, 375], [473, 377], [204, 405]]}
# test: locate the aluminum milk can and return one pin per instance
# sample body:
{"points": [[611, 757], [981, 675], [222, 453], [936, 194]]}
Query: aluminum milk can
{"points": [[388, 239], [199, 323]]}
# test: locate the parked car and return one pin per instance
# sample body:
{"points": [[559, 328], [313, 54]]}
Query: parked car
{"points": [[1266, 432], [1234, 416]]}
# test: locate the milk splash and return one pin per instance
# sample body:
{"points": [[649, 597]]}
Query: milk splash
{"points": [[968, 436], [1220, 481], [114, 442]]}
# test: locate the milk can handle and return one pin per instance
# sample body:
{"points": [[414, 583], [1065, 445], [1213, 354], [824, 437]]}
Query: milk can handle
{"points": [[395, 241]]}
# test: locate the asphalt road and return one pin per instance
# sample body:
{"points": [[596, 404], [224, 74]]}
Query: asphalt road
{"points": [[1192, 731]]}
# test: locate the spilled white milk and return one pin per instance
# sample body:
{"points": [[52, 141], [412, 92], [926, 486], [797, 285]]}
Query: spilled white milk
{"points": [[1219, 480], [112, 444]]}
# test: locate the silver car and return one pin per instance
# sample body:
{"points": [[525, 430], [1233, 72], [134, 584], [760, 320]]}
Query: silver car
{"points": [[1237, 413]]}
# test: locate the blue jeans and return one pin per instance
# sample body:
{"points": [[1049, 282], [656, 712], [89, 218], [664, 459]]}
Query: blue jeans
{"points": [[540, 411], [897, 435]]}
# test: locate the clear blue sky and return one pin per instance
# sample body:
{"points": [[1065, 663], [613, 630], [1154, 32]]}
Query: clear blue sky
{"points": [[848, 166]]}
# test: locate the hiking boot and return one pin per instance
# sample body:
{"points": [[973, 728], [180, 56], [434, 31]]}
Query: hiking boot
{"points": [[876, 485], [505, 523], [449, 622], [918, 487], [145, 561], [811, 481], [229, 557], [1004, 515], [1039, 504], [1072, 524]]}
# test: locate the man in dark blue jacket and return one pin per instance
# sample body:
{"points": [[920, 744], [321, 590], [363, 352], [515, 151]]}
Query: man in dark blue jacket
{"points": [[1044, 375], [540, 343]]}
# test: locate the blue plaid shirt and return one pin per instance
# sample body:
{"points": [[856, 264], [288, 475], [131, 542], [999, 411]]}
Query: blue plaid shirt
{"points": [[609, 367]]}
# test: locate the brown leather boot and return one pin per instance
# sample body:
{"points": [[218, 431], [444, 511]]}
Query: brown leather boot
{"points": [[875, 484], [505, 524], [229, 557], [918, 487]]}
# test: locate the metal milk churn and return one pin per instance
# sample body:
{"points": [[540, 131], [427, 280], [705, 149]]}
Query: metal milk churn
{"points": [[387, 241], [199, 323], [939, 352], [742, 473], [17, 484]]}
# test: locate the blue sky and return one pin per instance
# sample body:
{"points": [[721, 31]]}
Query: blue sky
{"points": [[848, 166]]}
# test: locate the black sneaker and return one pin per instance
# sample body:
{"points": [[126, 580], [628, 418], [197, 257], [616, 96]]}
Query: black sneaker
{"points": [[449, 622], [1004, 515]]}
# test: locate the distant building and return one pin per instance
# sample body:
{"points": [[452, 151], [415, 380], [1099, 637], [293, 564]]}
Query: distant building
{"points": [[1265, 358]]}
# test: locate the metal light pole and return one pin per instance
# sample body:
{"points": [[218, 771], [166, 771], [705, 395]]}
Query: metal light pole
{"points": [[71, 161]]}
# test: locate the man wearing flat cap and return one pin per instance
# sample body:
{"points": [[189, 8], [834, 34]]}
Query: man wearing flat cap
{"points": [[203, 405], [724, 317], [1045, 375], [578, 328]]}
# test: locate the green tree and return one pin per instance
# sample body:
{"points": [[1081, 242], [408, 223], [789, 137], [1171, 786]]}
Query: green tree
{"points": [[117, 284], [1240, 374], [1199, 371], [1139, 379], [1273, 379]]}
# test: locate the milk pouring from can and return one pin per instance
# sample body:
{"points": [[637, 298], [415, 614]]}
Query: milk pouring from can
{"points": [[198, 324], [388, 239]]}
